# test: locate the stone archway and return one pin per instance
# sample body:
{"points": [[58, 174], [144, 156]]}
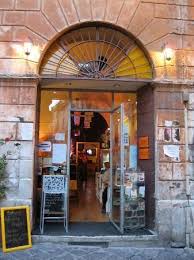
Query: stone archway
{"points": [[96, 51]]}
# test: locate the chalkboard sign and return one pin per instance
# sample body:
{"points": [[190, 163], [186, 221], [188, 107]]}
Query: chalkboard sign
{"points": [[54, 203], [15, 228]]}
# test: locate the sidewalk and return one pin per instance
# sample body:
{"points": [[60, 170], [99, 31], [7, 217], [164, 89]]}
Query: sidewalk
{"points": [[54, 251]]}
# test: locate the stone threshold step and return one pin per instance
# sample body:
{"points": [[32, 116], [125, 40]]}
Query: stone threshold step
{"points": [[111, 240]]}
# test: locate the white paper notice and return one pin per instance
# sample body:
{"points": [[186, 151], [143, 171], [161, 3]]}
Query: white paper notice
{"points": [[168, 123], [171, 151], [59, 153], [60, 136]]}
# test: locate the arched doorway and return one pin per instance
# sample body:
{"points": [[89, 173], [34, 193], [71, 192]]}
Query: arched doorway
{"points": [[95, 68]]}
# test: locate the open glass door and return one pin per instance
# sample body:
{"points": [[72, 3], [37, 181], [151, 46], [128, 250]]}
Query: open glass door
{"points": [[68, 168], [117, 169]]}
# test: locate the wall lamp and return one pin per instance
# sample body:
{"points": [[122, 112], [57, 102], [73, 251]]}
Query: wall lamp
{"points": [[28, 46], [167, 52]]}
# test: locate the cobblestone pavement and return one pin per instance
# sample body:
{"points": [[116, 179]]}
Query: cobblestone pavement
{"points": [[60, 251]]}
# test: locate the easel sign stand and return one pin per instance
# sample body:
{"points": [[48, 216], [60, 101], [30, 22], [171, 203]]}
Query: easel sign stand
{"points": [[52, 184]]}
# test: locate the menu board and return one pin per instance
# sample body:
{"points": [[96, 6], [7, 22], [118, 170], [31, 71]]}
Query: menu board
{"points": [[15, 225], [54, 203]]}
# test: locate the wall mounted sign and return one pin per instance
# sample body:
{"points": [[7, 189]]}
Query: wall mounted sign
{"points": [[144, 154], [15, 225], [143, 141]]}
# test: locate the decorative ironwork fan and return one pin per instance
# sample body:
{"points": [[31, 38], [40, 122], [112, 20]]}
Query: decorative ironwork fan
{"points": [[96, 52]]}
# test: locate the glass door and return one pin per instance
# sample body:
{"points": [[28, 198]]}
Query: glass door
{"points": [[68, 168], [117, 169]]}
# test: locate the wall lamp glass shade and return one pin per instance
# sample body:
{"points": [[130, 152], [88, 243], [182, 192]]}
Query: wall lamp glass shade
{"points": [[168, 54], [27, 48]]}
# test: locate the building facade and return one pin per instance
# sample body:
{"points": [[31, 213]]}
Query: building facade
{"points": [[165, 101]]}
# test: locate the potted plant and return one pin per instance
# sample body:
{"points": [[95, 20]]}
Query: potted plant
{"points": [[3, 164]]}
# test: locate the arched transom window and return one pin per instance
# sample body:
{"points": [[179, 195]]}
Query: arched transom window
{"points": [[97, 52]]}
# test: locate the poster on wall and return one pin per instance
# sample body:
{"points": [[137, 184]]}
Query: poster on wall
{"points": [[167, 134], [176, 135], [59, 154], [172, 151]]}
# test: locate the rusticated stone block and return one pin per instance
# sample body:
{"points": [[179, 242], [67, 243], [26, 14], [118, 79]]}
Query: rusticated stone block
{"points": [[84, 9], [9, 95], [38, 23], [27, 96], [12, 168], [163, 220], [179, 171], [191, 170], [170, 115], [6, 4], [14, 18], [167, 11], [98, 9], [165, 171], [190, 118], [26, 150], [53, 12], [25, 131], [10, 150], [127, 12], [191, 135], [169, 100], [17, 113], [8, 130], [26, 169], [113, 10], [28, 5], [191, 153], [191, 101], [178, 224], [192, 189], [70, 11], [25, 189], [174, 190], [143, 15], [6, 33]]}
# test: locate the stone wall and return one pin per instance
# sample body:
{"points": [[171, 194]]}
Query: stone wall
{"points": [[17, 121], [173, 213], [153, 22]]}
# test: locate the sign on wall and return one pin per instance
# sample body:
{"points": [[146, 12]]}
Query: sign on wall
{"points": [[144, 153], [15, 228]]}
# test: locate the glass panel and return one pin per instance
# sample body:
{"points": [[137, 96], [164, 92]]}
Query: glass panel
{"points": [[116, 167], [53, 143], [91, 100]]}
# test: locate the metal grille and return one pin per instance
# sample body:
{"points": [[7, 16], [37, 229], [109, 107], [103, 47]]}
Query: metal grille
{"points": [[95, 53]]}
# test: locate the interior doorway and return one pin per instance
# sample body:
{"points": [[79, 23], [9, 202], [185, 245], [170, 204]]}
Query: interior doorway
{"points": [[90, 148]]}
